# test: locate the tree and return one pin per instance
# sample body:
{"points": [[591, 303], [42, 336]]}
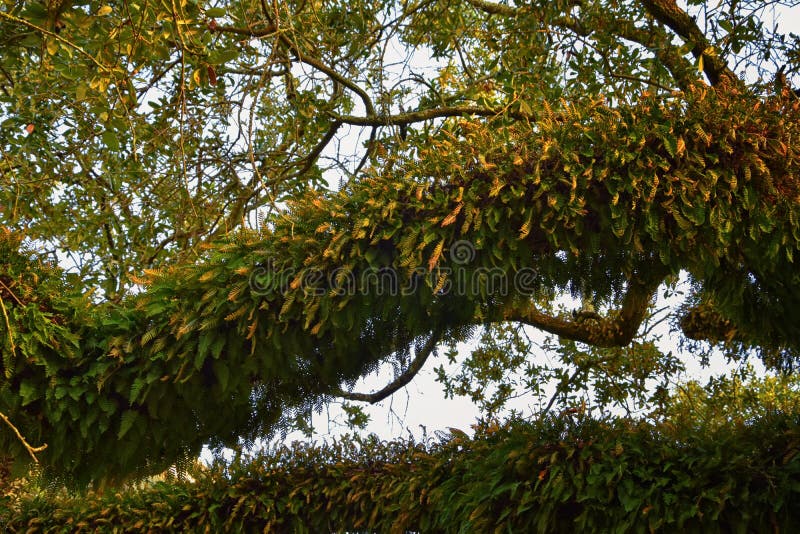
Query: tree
{"points": [[506, 155]]}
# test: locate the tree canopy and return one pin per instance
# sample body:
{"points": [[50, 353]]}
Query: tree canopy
{"points": [[416, 171]]}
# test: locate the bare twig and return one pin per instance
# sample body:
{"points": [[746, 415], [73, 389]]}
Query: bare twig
{"points": [[8, 289], [245, 32], [560, 388], [403, 379], [28, 447]]}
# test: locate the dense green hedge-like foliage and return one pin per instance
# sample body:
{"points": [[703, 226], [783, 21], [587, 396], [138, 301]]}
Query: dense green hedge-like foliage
{"points": [[562, 474]]}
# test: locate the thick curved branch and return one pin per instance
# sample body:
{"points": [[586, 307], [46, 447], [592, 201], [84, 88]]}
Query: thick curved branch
{"points": [[313, 155], [670, 14], [667, 54], [421, 356], [636, 302], [302, 57], [615, 331], [332, 74]]}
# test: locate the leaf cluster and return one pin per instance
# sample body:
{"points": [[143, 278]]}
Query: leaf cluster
{"points": [[270, 324], [553, 475]]}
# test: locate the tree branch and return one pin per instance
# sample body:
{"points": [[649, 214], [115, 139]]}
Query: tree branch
{"points": [[311, 61], [560, 389], [669, 13], [667, 54], [494, 9], [332, 74], [657, 40], [637, 300], [427, 114], [245, 32], [309, 160], [403, 379], [8, 327], [60, 39], [615, 331], [28, 447]]}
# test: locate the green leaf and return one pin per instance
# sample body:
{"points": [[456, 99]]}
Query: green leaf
{"points": [[204, 344], [136, 389], [106, 404], [110, 140], [126, 422], [217, 346], [222, 373], [223, 55], [28, 391], [199, 360], [215, 12]]}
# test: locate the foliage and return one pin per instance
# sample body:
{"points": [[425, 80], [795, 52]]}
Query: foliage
{"points": [[508, 364], [60, 384], [556, 474], [265, 322], [738, 400], [600, 156]]}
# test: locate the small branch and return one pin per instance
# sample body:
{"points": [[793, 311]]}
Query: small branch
{"points": [[664, 52], [655, 39], [309, 160], [427, 114], [31, 449], [8, 290], [58, 38], [246, 32], [403, 379], [333, 75], [659, 45], [495, 9], [373, 134], [178, 234], [9, 79], [7, 372], [157, 77], [560, 388]]}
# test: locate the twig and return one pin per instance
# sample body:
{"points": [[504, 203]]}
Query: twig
{"points": [[8, 328], [11, 293], [561, 388], [58, 38], [410, 117], [403, 379], [31, 449]]}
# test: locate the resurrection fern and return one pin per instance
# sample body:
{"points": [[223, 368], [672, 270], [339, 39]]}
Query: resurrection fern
{"points": [[604, 201]]}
